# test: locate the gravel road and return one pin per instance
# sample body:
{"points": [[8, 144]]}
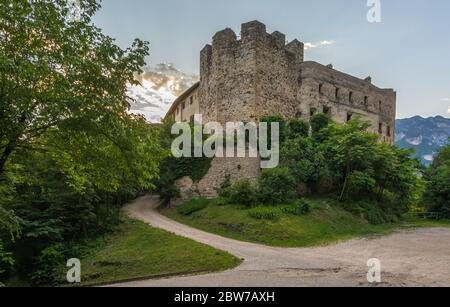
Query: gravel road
{"points": [[409, 258]]}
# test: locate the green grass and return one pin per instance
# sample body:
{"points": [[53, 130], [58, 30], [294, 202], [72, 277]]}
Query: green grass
{"points": [[140, 251], [324, 225]]}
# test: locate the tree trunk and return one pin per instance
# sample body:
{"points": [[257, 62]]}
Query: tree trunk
{"points": [[12, 144], [345, 187], [5, 155]]}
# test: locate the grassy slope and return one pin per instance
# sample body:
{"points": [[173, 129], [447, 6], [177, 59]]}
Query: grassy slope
{"points": [[324, 225], [139, 251]]}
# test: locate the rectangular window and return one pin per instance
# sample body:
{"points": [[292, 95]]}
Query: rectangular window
{"points": [[183, 106], [320, 88], [336, 95], [350, 97], [191, 100], [389, 131], [327, 110], [380, 128], [366, 101]]}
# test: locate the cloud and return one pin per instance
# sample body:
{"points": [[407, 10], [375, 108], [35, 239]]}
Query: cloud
{"points": [[160, 86], [319, 44], [445, 99], [448, 111]]}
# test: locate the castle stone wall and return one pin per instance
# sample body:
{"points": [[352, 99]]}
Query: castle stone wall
{"points": [[259, 74]]}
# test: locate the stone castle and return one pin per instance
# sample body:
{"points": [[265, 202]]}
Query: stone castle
{"points": [[260, 74]]}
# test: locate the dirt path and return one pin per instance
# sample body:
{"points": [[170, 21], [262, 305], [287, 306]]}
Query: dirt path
{"points": [[414, 258]]}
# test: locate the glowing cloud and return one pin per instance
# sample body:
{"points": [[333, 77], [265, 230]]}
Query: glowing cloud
{"points": [[160, 86], [319, 44]]}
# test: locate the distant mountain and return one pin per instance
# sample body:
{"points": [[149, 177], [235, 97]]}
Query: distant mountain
{"points": [[425, 135]]}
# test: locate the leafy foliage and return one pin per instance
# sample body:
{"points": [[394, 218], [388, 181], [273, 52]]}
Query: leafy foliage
{"points": [[319, 122], [297, 128], [70, 154], [276, 186], [437, 193], [303, 207], [243, 193], [225, 187]]}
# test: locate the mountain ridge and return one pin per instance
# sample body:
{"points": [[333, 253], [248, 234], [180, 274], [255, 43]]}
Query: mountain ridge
{"points": [[425, 135]]}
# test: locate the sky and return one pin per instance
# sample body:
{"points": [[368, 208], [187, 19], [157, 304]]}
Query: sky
{"points": [[409, 50]]}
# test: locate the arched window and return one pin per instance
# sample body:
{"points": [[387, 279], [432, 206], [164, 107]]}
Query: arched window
{"points": [[349, 116]]}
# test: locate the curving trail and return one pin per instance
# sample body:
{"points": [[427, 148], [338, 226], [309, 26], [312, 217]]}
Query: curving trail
{"points": [[414, 258]]}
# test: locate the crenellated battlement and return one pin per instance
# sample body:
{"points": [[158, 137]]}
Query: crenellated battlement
{"points": [[253, 36], [224, 38]]}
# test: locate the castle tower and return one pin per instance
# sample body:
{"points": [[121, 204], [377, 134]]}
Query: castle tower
{"points": [[246, 79]]}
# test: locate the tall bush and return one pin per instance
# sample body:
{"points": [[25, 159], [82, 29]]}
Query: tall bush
{"points": [[276, 186]]}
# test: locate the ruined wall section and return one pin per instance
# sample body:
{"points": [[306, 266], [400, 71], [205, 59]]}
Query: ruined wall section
{"points": [[325, 90]]}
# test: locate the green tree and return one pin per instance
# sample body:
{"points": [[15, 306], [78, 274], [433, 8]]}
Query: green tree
{"points": [[57, 73], [348, 149], [437, 194], [366, 168], [70, 153], [298, 128]]}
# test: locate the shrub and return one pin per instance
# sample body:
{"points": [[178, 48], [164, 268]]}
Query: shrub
{"points": [[168, 192], [300, 207], [297, 128], [48, 263], [319, 122], [243, 193], [6, 261], [225, 187], [277, 186], [192, 206], [437, 194], [303, 207], [264, 213]]}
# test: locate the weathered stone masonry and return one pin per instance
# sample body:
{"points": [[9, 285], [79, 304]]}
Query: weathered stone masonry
{"points": [[259, 74]]}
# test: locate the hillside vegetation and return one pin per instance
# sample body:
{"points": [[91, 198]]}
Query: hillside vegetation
{"points": [[285, 226], [138, 251]]}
